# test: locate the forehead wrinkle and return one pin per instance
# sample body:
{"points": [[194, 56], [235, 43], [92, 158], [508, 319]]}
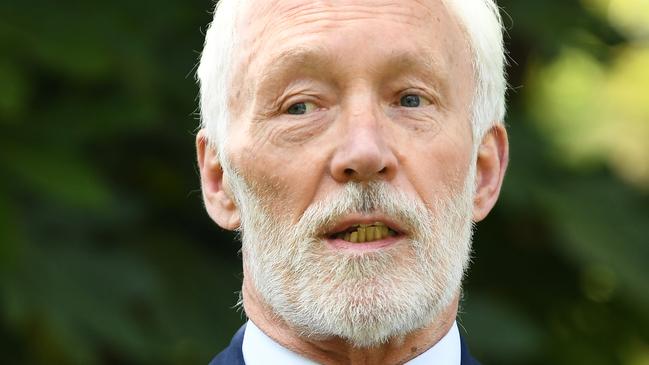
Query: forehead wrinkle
{"points": [[318, 58], [335, 15], [273, 17], [319, 11], [283, 17]]}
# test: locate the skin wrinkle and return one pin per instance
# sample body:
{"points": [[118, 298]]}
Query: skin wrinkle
{"points": [[339, 13], [273, 100], [422, 120], [279, 132], [290, 130], [305, 62], [310, 60], [254, 44]]}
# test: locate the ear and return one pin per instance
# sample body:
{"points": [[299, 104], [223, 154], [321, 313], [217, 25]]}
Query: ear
{"points": [[493, 156], [217, 197]]}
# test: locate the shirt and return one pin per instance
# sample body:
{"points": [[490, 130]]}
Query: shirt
{"points": [[258, 348]]}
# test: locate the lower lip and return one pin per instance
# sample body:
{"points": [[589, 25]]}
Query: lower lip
{"points": [[341, 244]]}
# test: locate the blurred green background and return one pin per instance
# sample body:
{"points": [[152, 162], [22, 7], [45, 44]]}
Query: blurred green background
{"points": [[106, 254]]}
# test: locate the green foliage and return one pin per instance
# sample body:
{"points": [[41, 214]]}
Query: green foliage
{"points": [[106, 254]]}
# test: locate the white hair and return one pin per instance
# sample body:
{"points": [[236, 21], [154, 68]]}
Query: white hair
{"points": [[366, 299], [481, 21]]}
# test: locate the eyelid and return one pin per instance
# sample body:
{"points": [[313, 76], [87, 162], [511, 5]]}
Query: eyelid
{"points": [[300, 98]]}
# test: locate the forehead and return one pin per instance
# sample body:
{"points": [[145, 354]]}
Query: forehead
{"points": [[330, 12], [269, 30], [277, 18]]}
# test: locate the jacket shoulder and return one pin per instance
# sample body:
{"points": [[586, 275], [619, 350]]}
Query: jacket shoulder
{"points": [[233, 354], [466, 357]]}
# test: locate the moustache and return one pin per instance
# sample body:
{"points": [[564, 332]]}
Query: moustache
{"points": [[371, 198]]}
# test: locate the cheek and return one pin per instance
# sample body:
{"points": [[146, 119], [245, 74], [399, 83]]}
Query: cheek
{"points": [[280, 181], [440, 166]]}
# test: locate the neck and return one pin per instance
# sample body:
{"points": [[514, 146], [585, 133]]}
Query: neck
{"points": [[336, 350]]}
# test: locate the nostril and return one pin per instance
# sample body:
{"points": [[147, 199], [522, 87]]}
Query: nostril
{"points": [[349, 172], [383, 171]]}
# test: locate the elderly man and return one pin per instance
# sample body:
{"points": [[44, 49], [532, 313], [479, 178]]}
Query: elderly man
{"points": [[352, 143]]}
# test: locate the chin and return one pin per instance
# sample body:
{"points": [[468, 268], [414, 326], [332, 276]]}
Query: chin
{"points": [[365, 299]]}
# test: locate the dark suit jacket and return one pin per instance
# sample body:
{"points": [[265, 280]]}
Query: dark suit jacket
{"points": [[233, 355]]}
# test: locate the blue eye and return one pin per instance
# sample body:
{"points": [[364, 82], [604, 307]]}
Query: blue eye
{"points": [[297, 109], [410, 101], [301, 108]]}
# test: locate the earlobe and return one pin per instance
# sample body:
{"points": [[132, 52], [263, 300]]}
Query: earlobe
{"points": [[217, 198], [493, 157]]}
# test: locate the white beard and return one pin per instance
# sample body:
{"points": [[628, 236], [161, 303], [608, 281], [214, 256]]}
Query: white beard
{"points": [[368, 298]]}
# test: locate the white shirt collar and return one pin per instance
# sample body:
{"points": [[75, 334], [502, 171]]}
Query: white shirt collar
{"points": [[258, 348]]}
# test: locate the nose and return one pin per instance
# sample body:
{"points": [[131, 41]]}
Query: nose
{"points": [[362, 153]]}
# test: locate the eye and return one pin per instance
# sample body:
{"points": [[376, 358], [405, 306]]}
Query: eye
{"points": [[410, 101], [301, 108]]}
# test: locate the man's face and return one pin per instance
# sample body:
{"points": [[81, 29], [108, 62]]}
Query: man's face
{"points": [[348, 113]]}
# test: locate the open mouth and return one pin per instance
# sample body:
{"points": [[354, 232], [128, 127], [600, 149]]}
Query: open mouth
{"points": [[364, 233]]}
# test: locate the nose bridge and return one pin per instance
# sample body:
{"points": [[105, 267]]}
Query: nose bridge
{"points": [[363, 152], [361, 118], [365, 131]]}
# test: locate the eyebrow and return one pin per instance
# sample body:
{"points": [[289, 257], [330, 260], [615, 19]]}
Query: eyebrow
{"points": [[317, 58], [296, 59], [433, 67]]}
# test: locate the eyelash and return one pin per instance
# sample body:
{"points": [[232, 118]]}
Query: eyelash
{"points": [[424, 96]]}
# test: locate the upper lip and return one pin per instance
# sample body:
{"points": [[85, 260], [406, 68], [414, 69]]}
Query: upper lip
{"points": [[350, 221]]}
